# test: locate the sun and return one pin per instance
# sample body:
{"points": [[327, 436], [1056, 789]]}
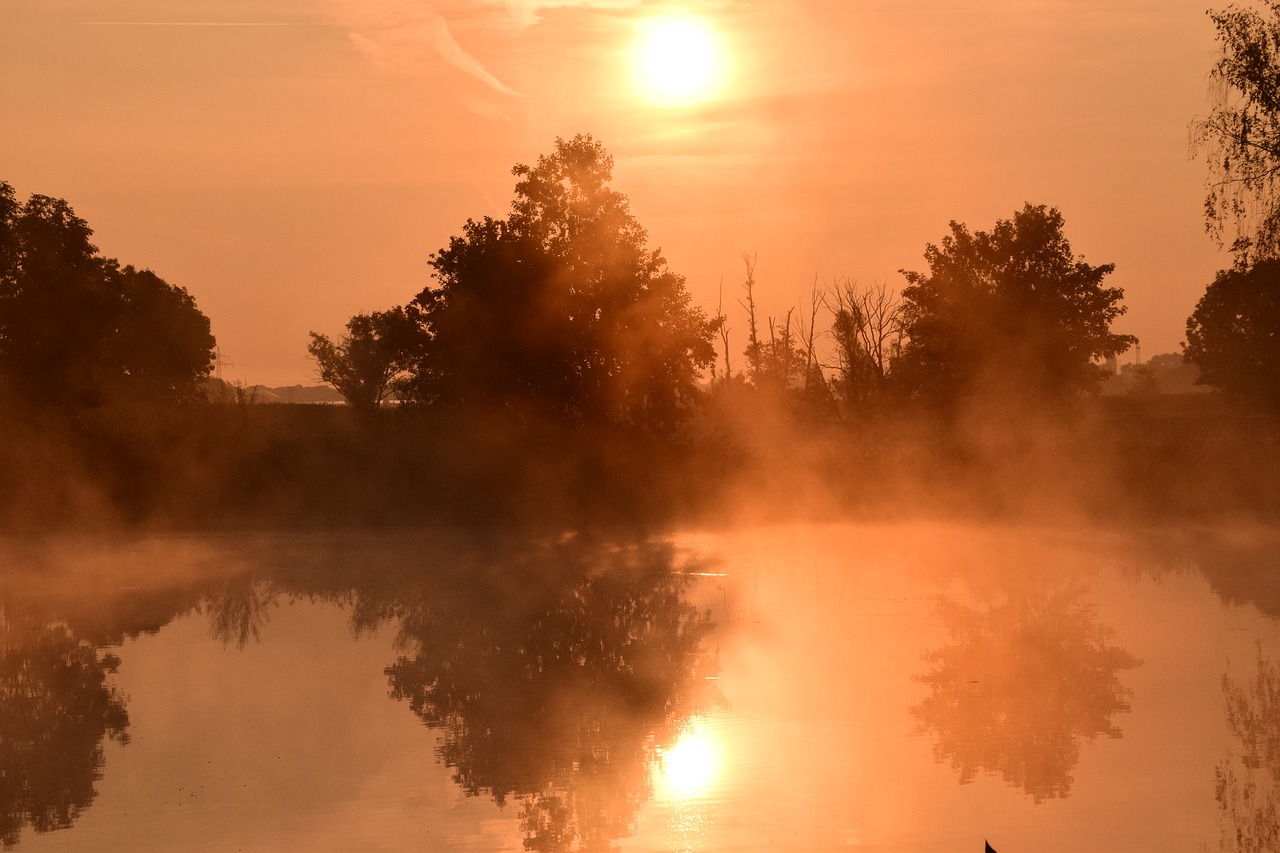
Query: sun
{"points": [[679, 60]]}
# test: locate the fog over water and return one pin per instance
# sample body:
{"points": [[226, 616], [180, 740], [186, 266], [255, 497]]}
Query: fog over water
{"points": [[808, 687]]}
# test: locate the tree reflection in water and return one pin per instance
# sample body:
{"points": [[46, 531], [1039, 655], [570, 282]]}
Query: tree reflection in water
{"points": [[1021, 685], [57, 703], [558, 690], [238, 612], [56, 709], [1247, 784], [554, 670]]}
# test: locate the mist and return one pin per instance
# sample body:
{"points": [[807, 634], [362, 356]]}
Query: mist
{"points": [[561, 559]]}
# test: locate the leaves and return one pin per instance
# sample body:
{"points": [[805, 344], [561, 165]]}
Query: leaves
{"points": [[1240, 138], [76, 328], [561, 307], [1011, 311], [367, 364], [1234, 333]]}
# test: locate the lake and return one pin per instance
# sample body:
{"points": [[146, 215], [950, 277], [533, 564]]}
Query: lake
{"points": [[904, 687]]}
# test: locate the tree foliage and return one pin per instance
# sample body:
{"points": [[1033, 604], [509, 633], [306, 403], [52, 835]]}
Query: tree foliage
{"points": [[560, 307], [1233, 335], [1240, 137], [78, 329], [1009, 311], [162, 344], [366, 364]]}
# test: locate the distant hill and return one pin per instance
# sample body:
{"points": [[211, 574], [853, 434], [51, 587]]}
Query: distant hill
{"points": [[297, 394]]}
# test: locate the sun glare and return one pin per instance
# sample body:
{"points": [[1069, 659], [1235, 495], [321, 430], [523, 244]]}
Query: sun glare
{"points": [[679, 60], [689, 766]]}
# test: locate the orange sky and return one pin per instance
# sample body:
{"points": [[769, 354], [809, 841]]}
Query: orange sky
{"points": [[293, 162]]}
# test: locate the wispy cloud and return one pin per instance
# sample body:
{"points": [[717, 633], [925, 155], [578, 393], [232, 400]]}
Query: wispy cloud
{"points": [[453, 53], [524, 13], [198, 24], [404, 35]]}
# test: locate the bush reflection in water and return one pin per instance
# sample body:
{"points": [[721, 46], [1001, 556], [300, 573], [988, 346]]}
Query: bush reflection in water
{"points": [[1247, 780]]}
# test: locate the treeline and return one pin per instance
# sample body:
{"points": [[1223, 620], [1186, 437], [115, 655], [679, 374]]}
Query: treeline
{"points": [[562, 310], [555, 371]]}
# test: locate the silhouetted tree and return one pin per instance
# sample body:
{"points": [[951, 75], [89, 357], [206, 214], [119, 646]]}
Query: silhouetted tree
{"points": [[1020, 686], [367, 362], [1241, 135], [722, 329], [775, 364], [1233, 335], [814, 389], [162, 342], [76, 328], [867, 329], [560, 307], [1009, 312]]}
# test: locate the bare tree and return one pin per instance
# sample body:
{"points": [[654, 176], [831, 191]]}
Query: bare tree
{"points": [[787, 360], [753, 351], [724, 336], [867, 328], [807, 330]]}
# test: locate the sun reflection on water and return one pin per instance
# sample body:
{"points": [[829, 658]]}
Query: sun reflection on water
{"points": [[688, 768]]}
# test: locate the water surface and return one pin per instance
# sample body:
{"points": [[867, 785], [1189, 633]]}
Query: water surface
{"points": [[891, 687]]}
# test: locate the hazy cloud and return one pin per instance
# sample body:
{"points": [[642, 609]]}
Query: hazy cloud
{"points": [[455, 55], [524, 13], [403, 35]]}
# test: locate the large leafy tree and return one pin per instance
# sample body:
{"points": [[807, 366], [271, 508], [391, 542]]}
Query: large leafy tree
{"points": [[77, 328], [561, 308], [162, 344], [1010, 311], [1241, 135], [1234, 333]]}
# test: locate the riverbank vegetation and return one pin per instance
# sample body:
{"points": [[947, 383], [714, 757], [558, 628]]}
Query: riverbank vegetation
{"points": [[218, 466]]}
